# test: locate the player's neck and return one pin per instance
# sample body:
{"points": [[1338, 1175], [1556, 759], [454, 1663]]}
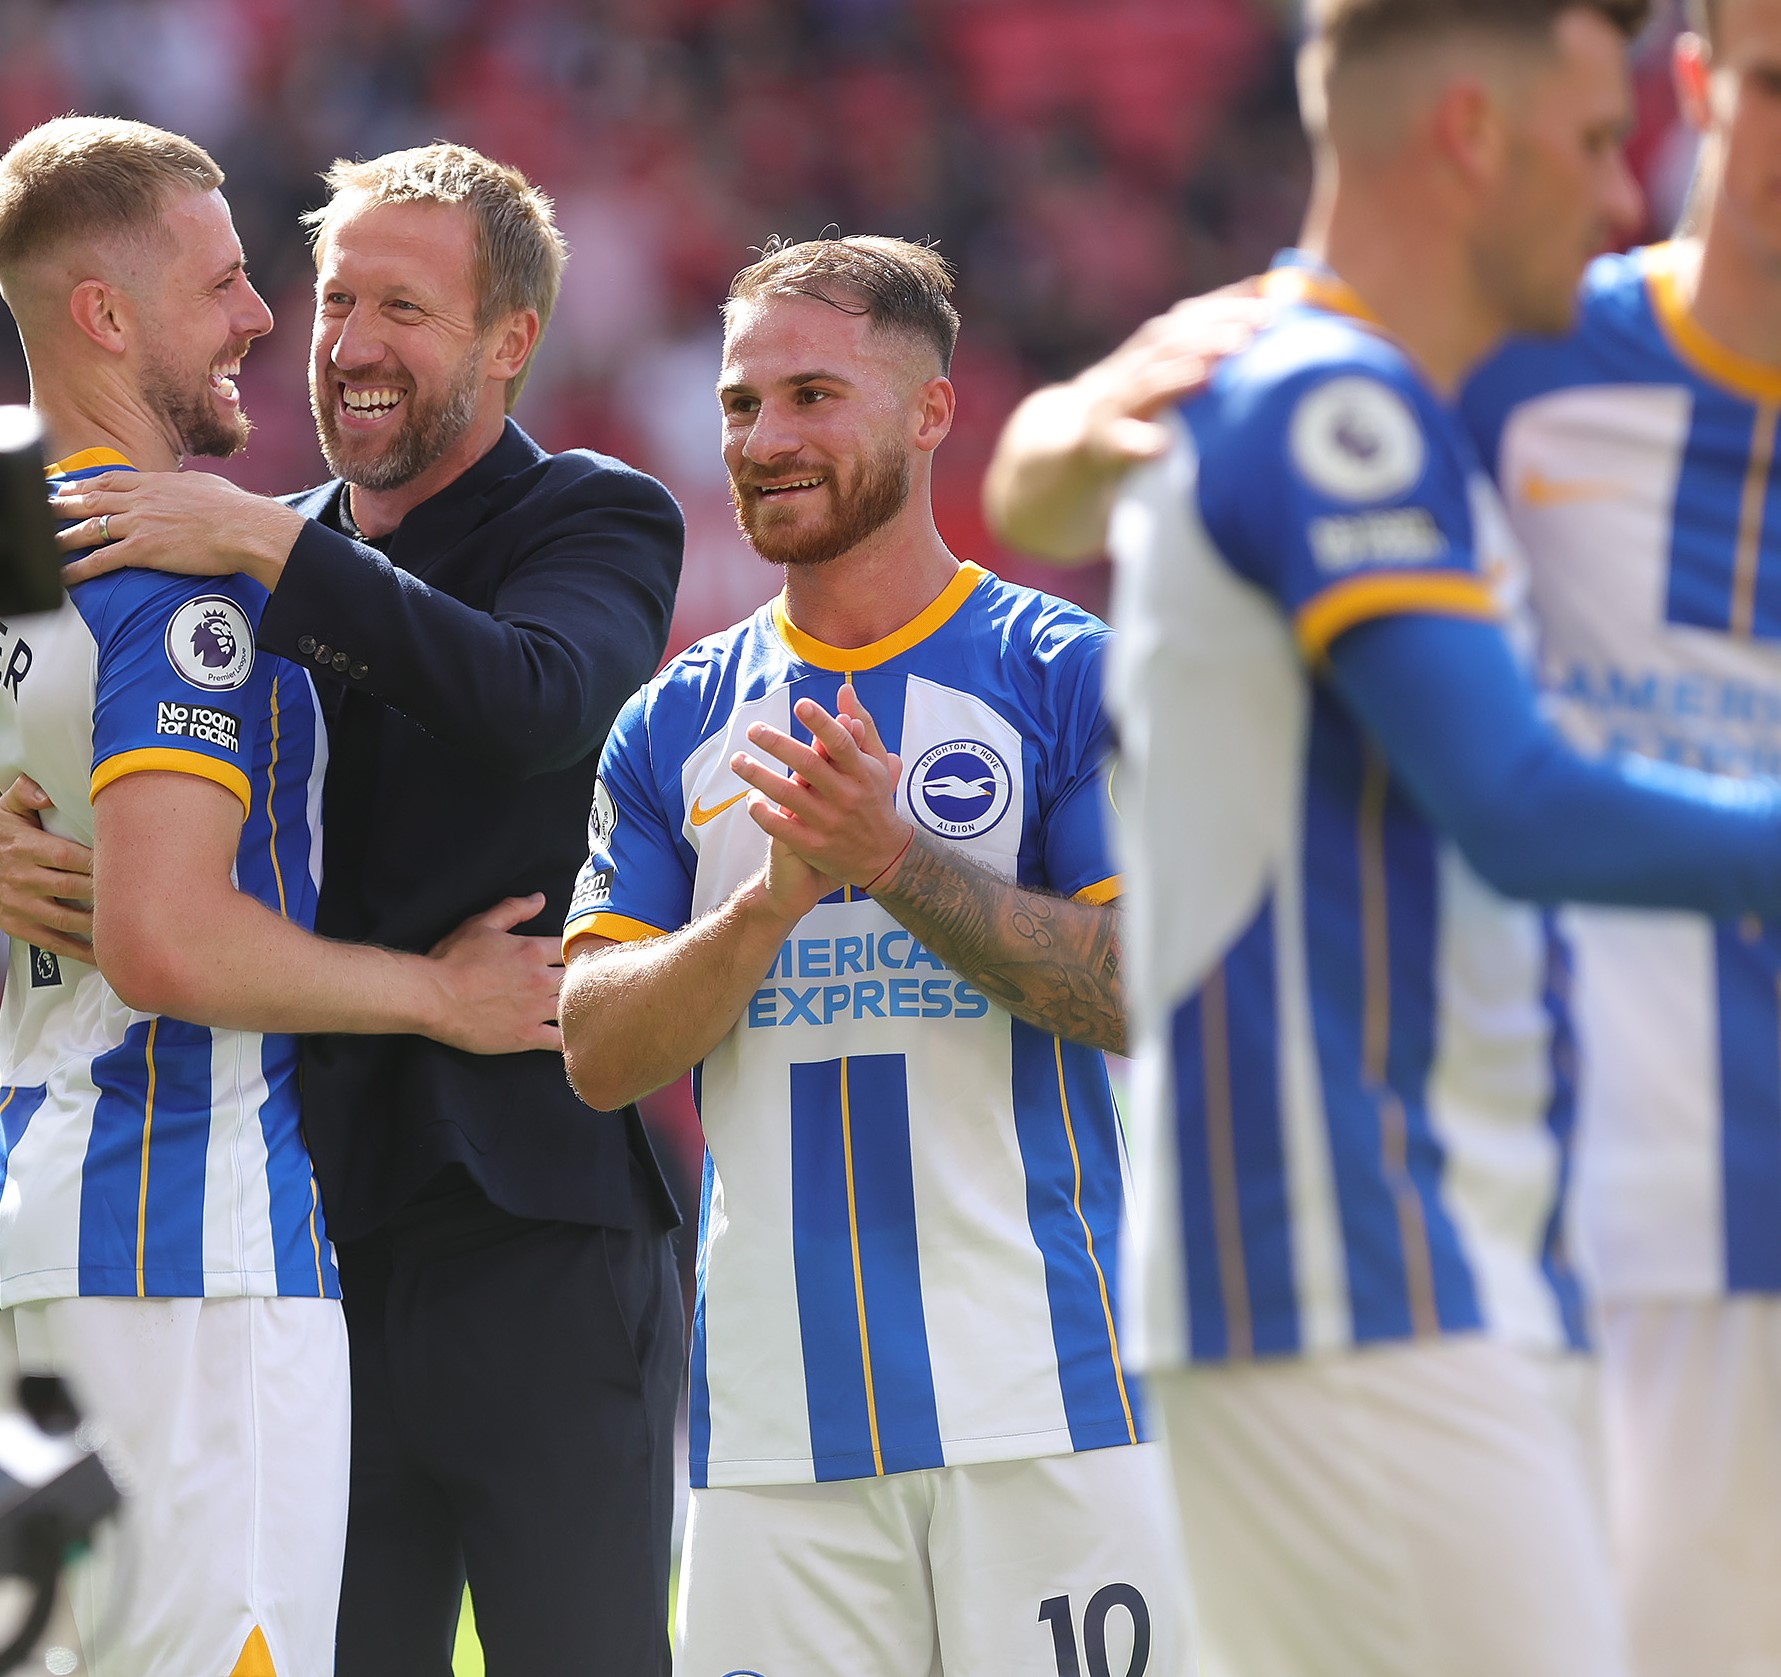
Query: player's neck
{"points": [[874, 589], [102, 416], [1416, 284], [1733, 293], [376, 512]]}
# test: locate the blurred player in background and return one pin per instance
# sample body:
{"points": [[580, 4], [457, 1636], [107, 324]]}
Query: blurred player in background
{"points": [[161, 1240], [1360, 1143], [1641, 469], [915, 1447]]}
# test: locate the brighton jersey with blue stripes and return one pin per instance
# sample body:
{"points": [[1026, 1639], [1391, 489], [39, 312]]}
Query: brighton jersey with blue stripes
{"points": [[1353, 1096], [1639, 463], [145, 1156], [909, 1226]]}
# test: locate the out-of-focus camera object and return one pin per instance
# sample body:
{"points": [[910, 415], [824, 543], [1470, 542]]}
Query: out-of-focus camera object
{"points": [[30, 566], [54, 1489]]}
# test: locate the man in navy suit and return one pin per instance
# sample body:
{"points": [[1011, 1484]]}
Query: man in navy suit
{"points": [[475, 612]]}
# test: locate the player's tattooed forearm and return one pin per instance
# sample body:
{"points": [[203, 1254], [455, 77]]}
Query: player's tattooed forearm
{"points": [[1049, 961]]}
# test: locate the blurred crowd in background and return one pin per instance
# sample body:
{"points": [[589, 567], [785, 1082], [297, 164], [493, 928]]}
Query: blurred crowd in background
{"points": [[1083, 163]]}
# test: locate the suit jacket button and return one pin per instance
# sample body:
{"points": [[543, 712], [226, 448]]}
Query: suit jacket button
{"points": [[306, 645], [323, 654], [340, 662], [359, 671]]}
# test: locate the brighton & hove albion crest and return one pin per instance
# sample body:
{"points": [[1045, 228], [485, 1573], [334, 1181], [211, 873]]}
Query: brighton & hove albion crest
{"points": [[211, 643], [959, 789]]}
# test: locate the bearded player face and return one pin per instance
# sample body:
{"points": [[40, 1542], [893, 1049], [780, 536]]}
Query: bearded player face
{"points": [[396, 364], [201, 315], [819, 410]]}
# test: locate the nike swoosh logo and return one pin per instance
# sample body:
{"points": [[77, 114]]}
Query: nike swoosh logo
{"points": [[1538, 490], [701, 815]]}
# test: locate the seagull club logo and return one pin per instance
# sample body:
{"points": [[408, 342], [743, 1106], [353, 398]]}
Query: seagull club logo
{"points": [[211, 643], [959, 789]]}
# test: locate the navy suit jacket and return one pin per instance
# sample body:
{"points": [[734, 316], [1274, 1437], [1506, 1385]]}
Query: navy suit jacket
{"points": [[469, 672]]}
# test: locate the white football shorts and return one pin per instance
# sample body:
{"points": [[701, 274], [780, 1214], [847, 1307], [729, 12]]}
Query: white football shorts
{"points": [[1419, 1510], [227, 1421], [1062, 1566], [1691, 1395]]}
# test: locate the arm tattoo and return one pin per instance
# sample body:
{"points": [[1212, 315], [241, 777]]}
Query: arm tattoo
{"points": [[1047, 960]]}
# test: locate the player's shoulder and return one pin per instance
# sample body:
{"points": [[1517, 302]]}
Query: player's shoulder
{"points": [[688, 691], [1030, 623], [1340, 399]]}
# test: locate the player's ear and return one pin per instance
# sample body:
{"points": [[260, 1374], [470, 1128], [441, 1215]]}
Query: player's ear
{"points": [[103, 313], [1466, 128], [936, 404], [511, 343]]}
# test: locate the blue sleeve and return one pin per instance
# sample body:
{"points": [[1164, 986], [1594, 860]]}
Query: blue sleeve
{"points": [[1458, 723], [1077, 817], [1333, 480], [636, 881], [179, 685]]}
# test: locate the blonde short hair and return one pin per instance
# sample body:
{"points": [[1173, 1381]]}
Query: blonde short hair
{"points": [[519, 254], [82, 178]]}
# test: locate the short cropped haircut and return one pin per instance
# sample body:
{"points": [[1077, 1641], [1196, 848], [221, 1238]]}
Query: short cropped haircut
{"points": [[519, 254], [83, 178], [901, 287], [1352, 29]]}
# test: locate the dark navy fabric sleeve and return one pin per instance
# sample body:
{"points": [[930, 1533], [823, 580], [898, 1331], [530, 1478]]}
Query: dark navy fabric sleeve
{"points": [[635, 883], [1459, 726], [510, 625], [1333, 480]]}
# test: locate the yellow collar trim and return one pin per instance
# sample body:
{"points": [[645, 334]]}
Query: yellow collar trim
{"points": [[86, 460], [847, 659], [1756, 381], [1321, 289]]}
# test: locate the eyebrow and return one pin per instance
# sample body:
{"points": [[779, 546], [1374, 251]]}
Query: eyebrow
{"points": [[239, 265], [797, 381]]}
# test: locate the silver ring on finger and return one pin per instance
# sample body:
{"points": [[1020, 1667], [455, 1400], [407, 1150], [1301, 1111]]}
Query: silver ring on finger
{"points": [[105, 535]]}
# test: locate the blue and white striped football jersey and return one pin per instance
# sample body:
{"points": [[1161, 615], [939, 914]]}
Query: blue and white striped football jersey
{"points": [[1639, 463], [144, 1156], [909, 1224], [1353, 1095]]}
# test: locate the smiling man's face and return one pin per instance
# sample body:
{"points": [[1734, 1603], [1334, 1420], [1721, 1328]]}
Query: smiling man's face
{"points": [[398, 366], [820, 408], [201, 316]]}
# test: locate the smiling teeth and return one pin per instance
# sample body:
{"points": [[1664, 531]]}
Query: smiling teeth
{"points": [[372, 403], [802, 483]]}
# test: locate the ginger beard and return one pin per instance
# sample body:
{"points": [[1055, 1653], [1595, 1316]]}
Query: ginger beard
{"points": [[191, 407], [424, 428], [871, 496]]}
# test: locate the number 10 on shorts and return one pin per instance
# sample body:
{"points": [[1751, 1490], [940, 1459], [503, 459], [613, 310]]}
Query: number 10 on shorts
{"points": [[1072, 1654]]}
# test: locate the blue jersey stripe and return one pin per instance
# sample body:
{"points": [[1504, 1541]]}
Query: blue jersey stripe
{"points": [[867, 1374], [1370, 887], [142, 1187], [273, 860], [1561, 1121], [1725, 540], [1069, 1145], [1242, 1298], [698, 1397], [300, 1240], [1748, 974], [18, 1104], [172, 1243]]}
